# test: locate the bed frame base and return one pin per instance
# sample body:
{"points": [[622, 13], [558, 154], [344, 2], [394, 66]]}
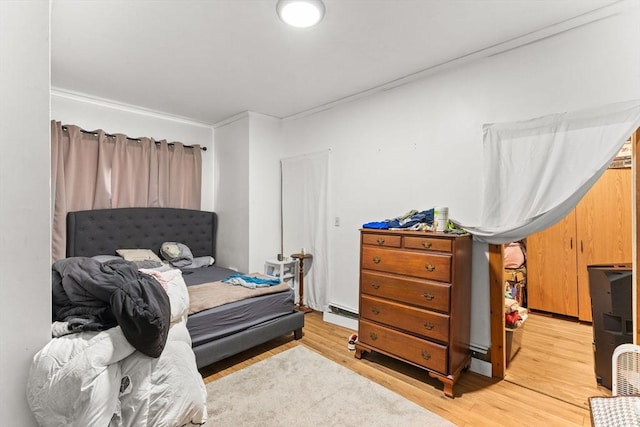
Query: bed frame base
{"points": [[213, 351]]}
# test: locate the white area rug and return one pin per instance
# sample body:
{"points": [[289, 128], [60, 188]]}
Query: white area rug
{"points": [[298, 387]]}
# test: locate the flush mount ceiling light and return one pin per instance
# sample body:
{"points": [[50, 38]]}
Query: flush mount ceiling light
{"points": [[300, 13]]}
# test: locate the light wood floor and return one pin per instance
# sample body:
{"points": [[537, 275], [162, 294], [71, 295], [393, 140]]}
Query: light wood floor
{"points": [[556, 359], [543, 388]]}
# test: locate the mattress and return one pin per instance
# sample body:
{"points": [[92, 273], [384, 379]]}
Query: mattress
{"points": [[196, 276], [218, 322]]}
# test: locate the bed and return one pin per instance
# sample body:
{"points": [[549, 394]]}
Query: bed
{"points": [[216, 333], [129, 337]]}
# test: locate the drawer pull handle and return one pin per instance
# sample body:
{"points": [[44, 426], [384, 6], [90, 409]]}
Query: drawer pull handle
{"points": [[426, 355], [429, 326], [373, 336], [380, 241], [377, 259], [428, 296], [430, 268], [375, 285], [426, 245], [375, 310]]}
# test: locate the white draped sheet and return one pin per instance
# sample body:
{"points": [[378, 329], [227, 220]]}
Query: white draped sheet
{"points": [[536, 171], [305, 195]]}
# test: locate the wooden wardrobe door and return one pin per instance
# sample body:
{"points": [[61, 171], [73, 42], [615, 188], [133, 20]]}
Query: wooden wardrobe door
{"points": [[551, 268], [603, 219]]}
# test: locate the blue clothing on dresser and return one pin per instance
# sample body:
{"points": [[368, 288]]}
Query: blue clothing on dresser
{"points": [[382, 225], [403, 221]]}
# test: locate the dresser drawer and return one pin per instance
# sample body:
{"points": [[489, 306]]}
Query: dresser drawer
{"points": [[411, 319], [428, 243], [407, 347], [430, 295], [387, 240], [427, 265]]}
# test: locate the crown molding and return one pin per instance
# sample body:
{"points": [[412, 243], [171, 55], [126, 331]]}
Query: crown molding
{"points": [[121, 106]]}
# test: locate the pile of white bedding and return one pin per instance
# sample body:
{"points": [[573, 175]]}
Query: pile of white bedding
{"points": [[100, 379]]}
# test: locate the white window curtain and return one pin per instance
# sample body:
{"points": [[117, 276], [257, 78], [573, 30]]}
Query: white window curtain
{"points": [[305, 185], [536, 171]]}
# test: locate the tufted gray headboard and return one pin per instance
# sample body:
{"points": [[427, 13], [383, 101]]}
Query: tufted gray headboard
{"points": [[102, 231]]}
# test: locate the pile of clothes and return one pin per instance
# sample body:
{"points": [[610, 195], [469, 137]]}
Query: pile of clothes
{"points": [[88, 295], [514, 315], [251, 281], [412, 220], [515, 271]]}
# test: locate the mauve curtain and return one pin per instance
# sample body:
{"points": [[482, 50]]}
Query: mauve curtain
{"points": [[79, 177], [130, 177], [98, 171], [180, 169]]}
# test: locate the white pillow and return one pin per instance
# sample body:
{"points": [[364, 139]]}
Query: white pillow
{"points": [[135, 255]]}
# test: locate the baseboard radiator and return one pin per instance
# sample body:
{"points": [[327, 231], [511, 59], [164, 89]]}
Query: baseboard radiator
{"points": [[343, 311], [480, 353]]}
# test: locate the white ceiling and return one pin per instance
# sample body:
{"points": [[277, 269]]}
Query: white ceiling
{"points": [[208, 60]]}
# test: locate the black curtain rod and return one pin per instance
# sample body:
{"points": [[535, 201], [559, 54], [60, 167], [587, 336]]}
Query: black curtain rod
{"points": [[128, 138]]}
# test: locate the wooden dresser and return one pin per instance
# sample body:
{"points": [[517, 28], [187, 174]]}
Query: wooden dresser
{"points": [[415, 294]]}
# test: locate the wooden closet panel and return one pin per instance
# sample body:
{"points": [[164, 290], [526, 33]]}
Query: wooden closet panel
{"points": [[551, 268], [603, 220], [597, 231]]}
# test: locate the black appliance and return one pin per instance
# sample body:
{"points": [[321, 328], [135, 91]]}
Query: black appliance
{"points": [[610, 288]]}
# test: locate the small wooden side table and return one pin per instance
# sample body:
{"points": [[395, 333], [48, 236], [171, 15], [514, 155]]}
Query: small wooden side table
{"points": [[301, 257]]}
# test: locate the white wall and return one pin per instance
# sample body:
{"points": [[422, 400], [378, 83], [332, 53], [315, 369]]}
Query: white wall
{"points": [[420, 145], [232, 193], [91, 114], [25, 233], [264, 206], [248, 191]]}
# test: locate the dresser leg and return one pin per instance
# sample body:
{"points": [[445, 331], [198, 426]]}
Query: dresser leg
{"points": [[447, 382], [359, 352]]}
